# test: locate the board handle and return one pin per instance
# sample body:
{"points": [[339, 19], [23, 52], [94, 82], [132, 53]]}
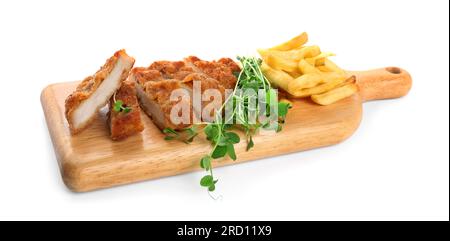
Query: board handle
{"points": [[383, 83]]}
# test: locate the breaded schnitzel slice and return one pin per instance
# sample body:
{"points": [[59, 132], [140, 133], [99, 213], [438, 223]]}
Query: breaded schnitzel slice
{"points": [[156, 83], [154, 96], [124, 112], [94, 92]]}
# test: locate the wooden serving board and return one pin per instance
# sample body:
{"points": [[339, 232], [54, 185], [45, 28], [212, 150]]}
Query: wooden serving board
{"points": [[91, 160]]}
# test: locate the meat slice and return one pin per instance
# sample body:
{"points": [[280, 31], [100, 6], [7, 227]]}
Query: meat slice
{"points": [[154, 96], [156, 83], [125, 121], [95, 91]]}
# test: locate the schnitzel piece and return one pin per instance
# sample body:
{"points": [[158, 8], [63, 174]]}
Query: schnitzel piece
{"points": [[94, 92], [153, 91], [124, 112], [156, 83]]}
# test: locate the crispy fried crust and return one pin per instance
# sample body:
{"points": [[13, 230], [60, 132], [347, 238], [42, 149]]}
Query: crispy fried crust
{"points": [[154, 97], [89, 85], [123, 125], [156, 83]]}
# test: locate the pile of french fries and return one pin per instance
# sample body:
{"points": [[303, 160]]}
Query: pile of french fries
{"points": [[305, 71]]}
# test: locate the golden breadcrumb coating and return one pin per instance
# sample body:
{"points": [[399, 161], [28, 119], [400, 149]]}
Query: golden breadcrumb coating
{"points": [[90, 85], [123, 124], [156, 83]]}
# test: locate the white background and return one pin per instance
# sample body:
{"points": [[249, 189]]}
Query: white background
{"points": [[395, 167]]}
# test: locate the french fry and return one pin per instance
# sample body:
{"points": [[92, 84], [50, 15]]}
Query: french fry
{"points": [[311, 80], [278, 78], [319, 89], [296, 42], [304, 82], [330, 76], [307, 68], [292, 55], [295, 74], [281, 63], [304, 71], [349, 80], [332, 67], [310, 51], [323, 69], [335, 94], [319, 60]]}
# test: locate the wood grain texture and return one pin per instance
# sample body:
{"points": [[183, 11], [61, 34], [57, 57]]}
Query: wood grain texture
{"points": [[384, 83], [91, 160]]}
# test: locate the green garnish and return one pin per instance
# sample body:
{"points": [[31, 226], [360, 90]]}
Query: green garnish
{"points": [[219, 132], [185, 135], [119, 107]]}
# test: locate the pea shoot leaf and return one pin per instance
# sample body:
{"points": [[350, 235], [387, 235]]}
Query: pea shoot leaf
{"points": [[231, 152], [207, 181], [219, 151]]}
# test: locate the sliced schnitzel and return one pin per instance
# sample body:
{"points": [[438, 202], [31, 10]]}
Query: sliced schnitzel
{"points": [[94, 92], [156, 83], [124, 120]]}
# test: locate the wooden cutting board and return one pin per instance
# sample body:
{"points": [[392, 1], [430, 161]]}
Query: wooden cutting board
{"points": [[91, 160]]}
